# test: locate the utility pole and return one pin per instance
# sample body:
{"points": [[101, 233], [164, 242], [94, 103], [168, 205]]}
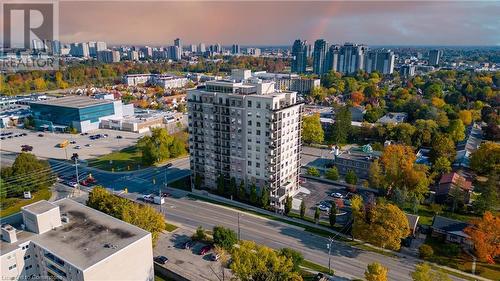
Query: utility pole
{"points": [[329, 246], [75, 158], [239, 235]]}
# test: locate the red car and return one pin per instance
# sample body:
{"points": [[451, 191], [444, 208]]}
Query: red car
{"points": [[205, 250]]}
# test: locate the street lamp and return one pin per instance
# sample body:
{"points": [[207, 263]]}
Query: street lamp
{"points": [[329, 246], [75, 158], [239, 230]]}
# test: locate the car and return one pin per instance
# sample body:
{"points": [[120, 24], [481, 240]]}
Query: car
{"points": [[86, 134], [337, 195], [105, 135], [166, 194], [88, 145], [189, 244], [119, 137], [324, 208], [77, 147], [24, 134], [161, 259], [214, 257], [205, 250], [9, 137], [2, 138], [84, 183], [40, 135], [72, 142], [17, 136], [148, 198], [72, 183], [26, 148]]}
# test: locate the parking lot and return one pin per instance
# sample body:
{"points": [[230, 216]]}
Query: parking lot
{"points": [[187, 262], [46, 144]]}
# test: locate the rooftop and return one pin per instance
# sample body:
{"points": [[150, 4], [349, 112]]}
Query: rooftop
{"points": [[39, 207], [89, 237], [448, 225], [74, 102]]}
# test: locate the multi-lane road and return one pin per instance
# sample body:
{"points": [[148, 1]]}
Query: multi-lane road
{"points": [[348, 262]]}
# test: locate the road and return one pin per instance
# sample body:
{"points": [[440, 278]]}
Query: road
{"points": [[348, 262]]}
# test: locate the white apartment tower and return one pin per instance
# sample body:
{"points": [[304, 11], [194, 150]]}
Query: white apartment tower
{"points": [[245, 129]]}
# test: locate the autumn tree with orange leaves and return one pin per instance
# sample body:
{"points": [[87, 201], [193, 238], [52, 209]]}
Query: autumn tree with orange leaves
{"points": [[357, 98], [485, 234]]}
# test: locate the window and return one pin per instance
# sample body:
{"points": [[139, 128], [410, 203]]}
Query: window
{"points": [[12, 267], [258, 104], [27, 257], [249, 122], [249, 163], [258, 132], [249, 104], [257, 165], [258, 124]]}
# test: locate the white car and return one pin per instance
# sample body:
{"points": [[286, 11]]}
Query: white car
{"points": [[324, 208], [337, 195], [73, 184], [148, 198], [77, 147]]}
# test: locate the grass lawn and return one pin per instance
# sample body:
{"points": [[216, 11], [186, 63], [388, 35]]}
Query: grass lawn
{"points": [[124, 160], [426, 215], [170, 227], [43, 194], [316, 267], [184, 184]]}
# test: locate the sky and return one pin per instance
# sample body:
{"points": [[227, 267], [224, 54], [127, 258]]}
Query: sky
{"points": [[158, 23]]}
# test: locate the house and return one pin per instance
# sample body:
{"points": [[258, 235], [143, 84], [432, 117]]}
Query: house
{"points": [[450, 230], [357, 113], [393, 118], [450, 181], [412, 222]]}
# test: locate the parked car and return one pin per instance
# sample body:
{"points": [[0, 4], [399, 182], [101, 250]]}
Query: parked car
{"points": [[161, 259], [24, 134], [40, 135], [337, 195], [189, 244], [88, 145], [148, 198], [119, 137], [77, 147], [166, 194], [214, 257], [26, 148], [72, 184], [205, 250], [72, 142], [324, 208], [2, 138]]}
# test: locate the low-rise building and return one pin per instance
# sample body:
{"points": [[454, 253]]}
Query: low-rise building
{"points": [[290, 82], [357, 160], [450, 230], [393, 118], [165, 81], [65, 240], [450, 181]]}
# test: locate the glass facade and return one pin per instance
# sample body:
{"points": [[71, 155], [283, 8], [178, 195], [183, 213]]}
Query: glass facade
{"points": [[67, 115]]}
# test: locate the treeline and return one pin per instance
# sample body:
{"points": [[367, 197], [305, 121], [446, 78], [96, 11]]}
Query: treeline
{"points": [[139, 215], [161, 146]]}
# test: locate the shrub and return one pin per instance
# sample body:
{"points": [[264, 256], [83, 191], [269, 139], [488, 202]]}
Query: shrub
{"points": [[425, 251], [351, 177], [200, 234], [332, 174], [313, 172], [451, 250], [224, 237]]}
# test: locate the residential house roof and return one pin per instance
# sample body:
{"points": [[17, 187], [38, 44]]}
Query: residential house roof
{"points": [[448, 225], [456, 179]]}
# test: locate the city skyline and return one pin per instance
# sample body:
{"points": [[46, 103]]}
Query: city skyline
{"points": [[372, 23]]}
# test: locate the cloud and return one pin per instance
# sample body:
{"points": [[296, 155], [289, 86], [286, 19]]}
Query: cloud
{"points": [[274, 23]]}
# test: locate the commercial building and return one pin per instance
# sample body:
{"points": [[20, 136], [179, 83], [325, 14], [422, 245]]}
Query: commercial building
{"points": [[65, 240], [380, 60], [319, 56], [357, 160], [246, 130], [434, 57], [165, 81], [144, 121], [79, 112], [299, 56]]}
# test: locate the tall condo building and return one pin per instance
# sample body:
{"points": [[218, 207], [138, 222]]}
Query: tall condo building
{"points": [[319, 56], [201, 48], [146, 52], [434, 57], [178, 43], [380, 60], [351, 58], [235, 49], [244, 129], [193, 48], [174, 53], [299, 56], [80, 50]]}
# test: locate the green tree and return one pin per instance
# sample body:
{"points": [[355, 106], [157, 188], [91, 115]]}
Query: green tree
{"points": [[160, 146], [332, 174], [456, 130], [333, 215], [233, 188], [443, 146], [200, 234], [351, 177], [302, 209], [224, 237], [424, 272], [425, 251], [253, 194], [241, 191], [442, 165], [264, 197], [316, 215], [312, 132], [376, 272], [486, 159], [342, 126], [375, 177], [288, 204], [295, 256], [312, 171], [221, 186], [488, 200]]}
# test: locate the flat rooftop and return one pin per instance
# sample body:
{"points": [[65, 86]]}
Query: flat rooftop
{"points": [[39, 207], [74, 102]]}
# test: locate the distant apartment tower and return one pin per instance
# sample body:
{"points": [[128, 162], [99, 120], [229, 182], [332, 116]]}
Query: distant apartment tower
{"points": [[178, 43], [133, 55], [201, 48], [351, 58], [80, 50], [319, 56], [407, 70], [253, 52], [332, 58], [246, 130], [108, 56], [192, 48], [174, 53], [235, 49], [65, 240], [434, 57], [380, 60], [146, 52], [299, 56]]}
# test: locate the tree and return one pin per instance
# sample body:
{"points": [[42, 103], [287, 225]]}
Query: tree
{"points": [[221, 186], [332, 174], [436, 209], [233, 188], [200, 234], [224, 237], [442, 165], [312, 132], [288, 204], [357, 98], [351, 177], [302, 209], [333, 215], [241, 191], [342, 126], [456, 130], [316, 215], [488, 199], [424, 272], [295, 256], [264, 197], [375, 177], [312, 171], [485, 234], [443, 146], [252, 262], [381, 224], [376, 272], [465, 116], [160, 146], [486, 159], [253, 194], [425, 251]]}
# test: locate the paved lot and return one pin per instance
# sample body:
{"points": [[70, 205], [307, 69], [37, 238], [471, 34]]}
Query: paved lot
{"points": [[47, 146], [187, 262]]}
